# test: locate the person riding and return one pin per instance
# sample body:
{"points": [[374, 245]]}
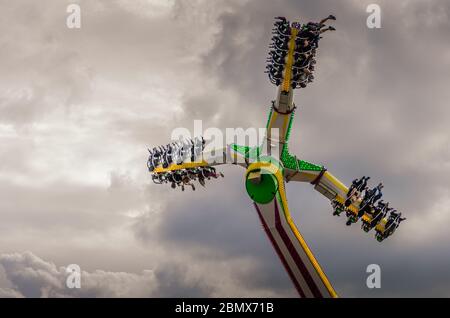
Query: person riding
{"points": [[330, 17], [367, 198], [279, 55], [369, 194], [168, 155], [378, 194], [315, 27], [282, 29], [150, 165], [283, 24], [280, 37], [156, 179], [355, 185], [197, 148], [381, 210], [154, 157], [186, 180], [163, 156], [393, 216], [176, 153], [330, 28], [393, 223], [383, 207], [279, 45]]}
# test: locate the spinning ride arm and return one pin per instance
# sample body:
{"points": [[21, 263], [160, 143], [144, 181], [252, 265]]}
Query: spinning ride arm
{"points": [[206, 159]]}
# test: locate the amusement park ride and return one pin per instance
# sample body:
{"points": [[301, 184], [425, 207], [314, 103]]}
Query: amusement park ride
{"points": [[269, 166]]}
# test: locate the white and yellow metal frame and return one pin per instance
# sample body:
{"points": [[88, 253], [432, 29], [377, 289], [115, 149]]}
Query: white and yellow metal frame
{"points": [[268, 168]]}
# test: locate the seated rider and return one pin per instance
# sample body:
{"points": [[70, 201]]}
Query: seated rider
{"points": [[281, 20], [177, 176], [330, 28], [381, 210], [369, 194], [393, 215]]}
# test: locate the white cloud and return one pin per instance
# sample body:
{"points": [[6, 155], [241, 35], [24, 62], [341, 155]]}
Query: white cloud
{"points": [[31, 276]]}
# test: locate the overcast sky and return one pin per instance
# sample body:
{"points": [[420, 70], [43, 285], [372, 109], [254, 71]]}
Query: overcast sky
{"points": [[79, 107]]}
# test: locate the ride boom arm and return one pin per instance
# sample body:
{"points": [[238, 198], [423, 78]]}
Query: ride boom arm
{"points": [[324, 182]]}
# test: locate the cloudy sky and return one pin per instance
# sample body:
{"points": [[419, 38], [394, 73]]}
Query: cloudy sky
{"points": [[79, 107]]}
